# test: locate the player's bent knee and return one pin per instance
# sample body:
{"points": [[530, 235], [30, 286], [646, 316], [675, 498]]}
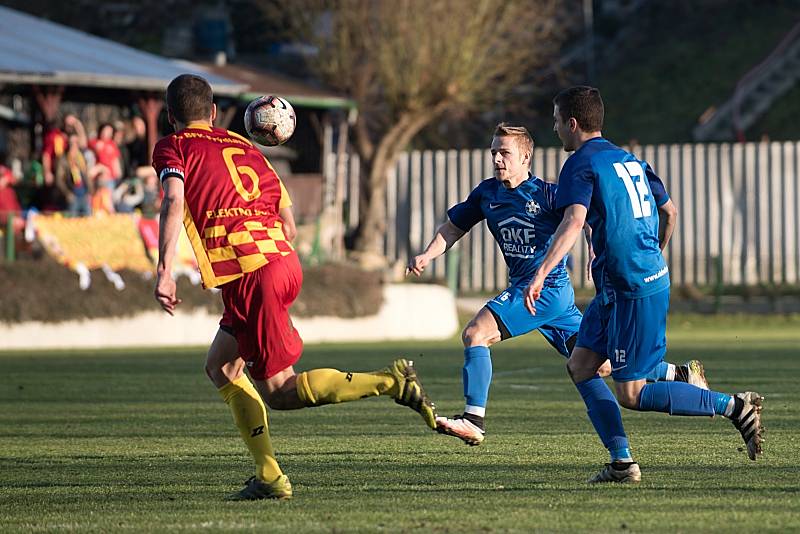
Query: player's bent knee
{"points": [[275, 400], [579, 372], [228, 372], [468, 338], [471, 335], [571, 370], [628, 394], [626, 401], [283, 400], [465, 337], [280, 391], [474, 336]]}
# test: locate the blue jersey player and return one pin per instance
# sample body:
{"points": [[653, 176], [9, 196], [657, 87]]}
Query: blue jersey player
{"points": [[632, 218], [520, 212]]}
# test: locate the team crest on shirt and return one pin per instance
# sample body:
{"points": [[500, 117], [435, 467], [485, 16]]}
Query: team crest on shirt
{"points": [[533, 207]]}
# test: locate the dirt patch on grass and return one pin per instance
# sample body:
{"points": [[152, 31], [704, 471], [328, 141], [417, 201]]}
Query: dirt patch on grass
{"points": [[43, 290]]}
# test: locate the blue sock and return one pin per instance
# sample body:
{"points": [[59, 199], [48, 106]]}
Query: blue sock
{"points": [[721, 401], [603, 410], [678, 398], [477, 375], [659, 372], [623, 454]]}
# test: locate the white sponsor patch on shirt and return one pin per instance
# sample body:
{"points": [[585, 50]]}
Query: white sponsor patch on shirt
{"points": [[664, 270]]}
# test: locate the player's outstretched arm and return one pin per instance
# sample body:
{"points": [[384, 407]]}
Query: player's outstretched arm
{"points": [[667, 219], [168, 232], [563, 240], [446, 236]]}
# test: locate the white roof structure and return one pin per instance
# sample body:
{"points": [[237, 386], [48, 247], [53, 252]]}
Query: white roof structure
{"points": [[37, 51]]}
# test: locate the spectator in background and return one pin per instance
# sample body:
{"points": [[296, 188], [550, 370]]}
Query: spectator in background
{"points": [[53, 147], [103, 195], [128, 194], [151, 203], [9, 203], [137, 146], [107, 151], [73, 125], [46, 197], [72, 178], [55, 144], [120, 133]]}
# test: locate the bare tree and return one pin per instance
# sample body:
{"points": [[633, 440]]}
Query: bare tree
{"points": [[407, 62]]}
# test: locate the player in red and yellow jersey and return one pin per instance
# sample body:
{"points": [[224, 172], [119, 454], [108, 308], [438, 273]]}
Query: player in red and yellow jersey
{"points": [[238, 217]]}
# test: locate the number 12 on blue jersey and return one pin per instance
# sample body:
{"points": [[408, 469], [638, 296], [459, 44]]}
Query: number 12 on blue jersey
{"points": [[632, 176]]}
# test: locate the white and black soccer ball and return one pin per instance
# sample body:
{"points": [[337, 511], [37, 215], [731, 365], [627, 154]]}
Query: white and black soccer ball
{"points": [[269, 120]]}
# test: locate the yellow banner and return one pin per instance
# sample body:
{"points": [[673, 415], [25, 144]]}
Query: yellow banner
{"points": [[112, 240]]}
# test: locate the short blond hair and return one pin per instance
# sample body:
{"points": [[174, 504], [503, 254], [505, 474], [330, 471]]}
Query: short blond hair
{"points": [[519, 133]]}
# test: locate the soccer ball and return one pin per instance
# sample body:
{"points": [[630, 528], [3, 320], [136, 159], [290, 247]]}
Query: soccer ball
{"points": [[269, 120]]}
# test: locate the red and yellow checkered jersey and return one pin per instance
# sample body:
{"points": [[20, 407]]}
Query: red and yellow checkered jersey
{"points": [[232, 200]]}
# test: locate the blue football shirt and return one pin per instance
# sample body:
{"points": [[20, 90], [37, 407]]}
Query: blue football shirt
{"points": [[522, 221], [622, 196]]}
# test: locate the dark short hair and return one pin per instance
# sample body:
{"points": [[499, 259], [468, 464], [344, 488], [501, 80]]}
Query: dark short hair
{"points": [[189, 98], [584, 104], [103, 125], [519, 133]]}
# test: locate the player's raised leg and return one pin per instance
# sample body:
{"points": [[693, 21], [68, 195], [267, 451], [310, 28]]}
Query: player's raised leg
{"points": [[637, 330], [479, 334], [399, 380], [561, 331], [503, 317], [271, 344], [286, 390], [680, 398]]}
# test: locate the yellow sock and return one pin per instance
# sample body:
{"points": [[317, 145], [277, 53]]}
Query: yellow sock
{"points": [[329, 386], [250, 417]]}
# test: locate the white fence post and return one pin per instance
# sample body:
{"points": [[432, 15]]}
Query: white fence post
{"points": [[738, 211]]}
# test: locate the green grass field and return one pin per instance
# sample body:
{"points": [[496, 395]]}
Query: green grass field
{"points": [[139, 441]]}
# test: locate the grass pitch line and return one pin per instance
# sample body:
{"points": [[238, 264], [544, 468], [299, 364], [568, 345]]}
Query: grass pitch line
{"points": [[523, 371]]}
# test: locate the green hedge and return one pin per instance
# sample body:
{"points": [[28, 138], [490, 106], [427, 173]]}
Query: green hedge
{"points": [[43, 290]]}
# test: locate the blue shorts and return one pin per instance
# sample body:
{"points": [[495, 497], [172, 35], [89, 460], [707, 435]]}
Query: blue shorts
{"points": [[632, 333], [556, 317]]}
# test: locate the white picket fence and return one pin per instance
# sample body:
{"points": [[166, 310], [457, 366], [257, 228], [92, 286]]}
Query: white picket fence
{"points": [[738, 205]]}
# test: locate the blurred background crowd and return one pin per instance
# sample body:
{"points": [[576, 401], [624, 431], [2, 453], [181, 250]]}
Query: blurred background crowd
{"points": [[103, 170]]}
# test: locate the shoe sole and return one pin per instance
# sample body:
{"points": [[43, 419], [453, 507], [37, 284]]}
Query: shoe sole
{"points": [[282, 493], [236, 498], [472, 441], [626, 480]]}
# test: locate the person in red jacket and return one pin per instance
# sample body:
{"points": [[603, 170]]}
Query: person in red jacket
{"points": [[9, 202], [106, 150]]}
